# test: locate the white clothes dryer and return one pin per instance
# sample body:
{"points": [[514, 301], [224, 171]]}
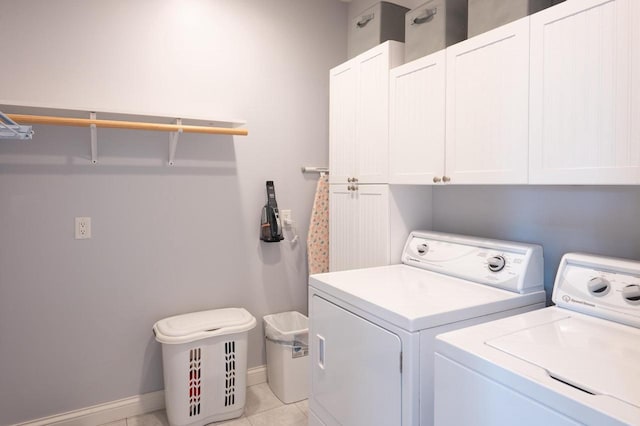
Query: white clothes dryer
{"points": [[571, 364], [372, 330]]}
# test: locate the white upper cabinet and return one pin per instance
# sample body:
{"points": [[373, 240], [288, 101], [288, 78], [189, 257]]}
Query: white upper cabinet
{"points": [[359, 105], [460, 115], [585, 78], [417, 121], [487, 107]]}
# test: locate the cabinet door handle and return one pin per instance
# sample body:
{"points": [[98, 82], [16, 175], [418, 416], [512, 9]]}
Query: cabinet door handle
{"points": [[365, 20], [446, 179], [428, 16], [354, 179], [436, 179], [321, 349], [355, 187], [349, 180]]}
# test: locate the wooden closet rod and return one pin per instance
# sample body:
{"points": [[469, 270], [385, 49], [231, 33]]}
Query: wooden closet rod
{"points": [[134, 125]]}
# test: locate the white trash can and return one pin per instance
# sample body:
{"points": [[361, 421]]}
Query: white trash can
{"points": [[287, 336], [204, 359]]}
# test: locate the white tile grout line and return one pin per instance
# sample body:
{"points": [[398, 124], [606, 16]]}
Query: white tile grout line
{"points": [[248, 418], [243, 416]]}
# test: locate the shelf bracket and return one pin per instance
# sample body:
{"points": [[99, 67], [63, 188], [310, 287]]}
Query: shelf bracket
{"points": [[9, 129], [173, 142], [94, 139]]}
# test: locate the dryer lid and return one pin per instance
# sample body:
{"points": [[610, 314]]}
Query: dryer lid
{"points": [[596, 356], [416, 299]]}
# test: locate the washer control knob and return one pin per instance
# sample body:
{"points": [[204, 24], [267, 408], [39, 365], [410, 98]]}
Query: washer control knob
{"points": [[423, 249], [598, 286], [631, 293], [496, 263]]}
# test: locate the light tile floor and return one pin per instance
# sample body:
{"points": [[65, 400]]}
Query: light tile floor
{"points": [[262, 408]]}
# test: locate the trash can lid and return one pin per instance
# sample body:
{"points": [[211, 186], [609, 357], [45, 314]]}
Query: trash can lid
{"points": [[201, 325]]}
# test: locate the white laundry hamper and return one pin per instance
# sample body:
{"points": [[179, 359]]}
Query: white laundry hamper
{"points": [[204, 359]]}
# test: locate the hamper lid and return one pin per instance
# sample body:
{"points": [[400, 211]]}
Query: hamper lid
{"points": [[201, 325]]}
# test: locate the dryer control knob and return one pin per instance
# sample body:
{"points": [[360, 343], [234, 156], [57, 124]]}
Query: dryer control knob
{"points": [[496, 263], [423, 249], [631, 293], [598, 286]]}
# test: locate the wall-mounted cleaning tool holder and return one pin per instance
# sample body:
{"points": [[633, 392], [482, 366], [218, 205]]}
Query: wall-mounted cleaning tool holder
{"points": [[270, 224]]}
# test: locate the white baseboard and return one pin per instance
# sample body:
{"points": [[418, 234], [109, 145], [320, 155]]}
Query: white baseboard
{"points": [[123, 408], [257, 375], [105, 413]]}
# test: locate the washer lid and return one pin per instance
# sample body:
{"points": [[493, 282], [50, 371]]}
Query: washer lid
{"points": [[596, 356], [201, 325]]}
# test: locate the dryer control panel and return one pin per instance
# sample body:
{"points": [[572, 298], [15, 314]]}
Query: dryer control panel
{"points": [[600, 286], [512, 266]]}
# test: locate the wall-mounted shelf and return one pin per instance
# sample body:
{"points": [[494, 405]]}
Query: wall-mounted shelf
{"points": [[23, 114]]}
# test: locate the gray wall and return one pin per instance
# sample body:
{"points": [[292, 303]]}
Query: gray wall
{"points": [[600, 220], [76, 315]]}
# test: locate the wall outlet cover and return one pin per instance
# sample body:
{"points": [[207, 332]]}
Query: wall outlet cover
{"points": [[285, 216], [83, 228]]}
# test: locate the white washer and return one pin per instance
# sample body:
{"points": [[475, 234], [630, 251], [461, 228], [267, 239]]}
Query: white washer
{"points": [[574, 363], [372, 330]]}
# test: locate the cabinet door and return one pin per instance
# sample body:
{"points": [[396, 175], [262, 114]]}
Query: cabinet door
{"points": [[417, 121], [355, 367], [581, 60], [487, 107], [372, 117], [343, 228], [635, 75], [358, 227], [373, 226], [342, 121]]}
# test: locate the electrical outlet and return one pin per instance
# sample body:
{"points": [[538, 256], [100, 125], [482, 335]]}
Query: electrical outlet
{"points": [[285, 216], [83, 228]]}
